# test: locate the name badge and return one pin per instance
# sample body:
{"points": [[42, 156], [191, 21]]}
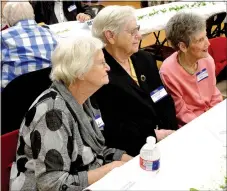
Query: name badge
{"points": [[202, 75], [71, 8], [99, 122], [158, 94]]}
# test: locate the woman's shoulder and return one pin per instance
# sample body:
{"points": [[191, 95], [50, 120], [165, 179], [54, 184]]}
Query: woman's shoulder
{"points": [[209, 58], [169, 64], [48, 101], [11, 32], [207, 62]]}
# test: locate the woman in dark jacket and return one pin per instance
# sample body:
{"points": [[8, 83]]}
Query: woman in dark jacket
{"points": [[135, 102], [73, 10]]}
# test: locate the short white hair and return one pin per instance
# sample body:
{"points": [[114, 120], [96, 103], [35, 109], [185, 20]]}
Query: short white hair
{"points": [[14, 12], [111, 18], [74, 57]]}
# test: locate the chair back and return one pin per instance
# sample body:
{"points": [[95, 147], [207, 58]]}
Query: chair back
{"points": [[8, 155], [224, 29], [18, 96], [215, 21], [159, 50]]}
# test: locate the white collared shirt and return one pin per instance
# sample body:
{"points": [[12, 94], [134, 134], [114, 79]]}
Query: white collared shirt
{"points": [[58, 10]]}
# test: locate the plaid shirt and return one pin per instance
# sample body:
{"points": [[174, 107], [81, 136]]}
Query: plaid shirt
{"points": [[26, 47]]}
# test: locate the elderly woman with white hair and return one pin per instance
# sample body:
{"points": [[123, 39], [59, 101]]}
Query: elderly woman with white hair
{"points": [[60, 143], [189, 73], [134, 104], [25, 46]]}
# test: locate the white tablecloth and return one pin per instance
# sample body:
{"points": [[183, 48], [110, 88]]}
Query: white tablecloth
{"points": [[147, 24], [192, 157], [159, 21]]}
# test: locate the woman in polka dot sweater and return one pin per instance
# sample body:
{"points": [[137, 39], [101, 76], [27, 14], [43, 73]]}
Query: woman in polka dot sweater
{"points": [[60, 144]]}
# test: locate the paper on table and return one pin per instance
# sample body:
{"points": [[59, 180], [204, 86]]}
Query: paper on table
{"points": [[70, 29]]}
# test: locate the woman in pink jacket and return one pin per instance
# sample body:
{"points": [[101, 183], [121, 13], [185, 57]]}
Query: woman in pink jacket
{"points": [[189, 73]]}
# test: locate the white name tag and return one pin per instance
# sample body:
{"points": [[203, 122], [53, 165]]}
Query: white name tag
{"points": [[202, 75], [158, 94], [71, 8], [89, 23], [99, 122]]}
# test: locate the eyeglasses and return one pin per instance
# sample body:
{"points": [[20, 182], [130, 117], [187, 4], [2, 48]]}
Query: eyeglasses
{"points": [[134, 31]]}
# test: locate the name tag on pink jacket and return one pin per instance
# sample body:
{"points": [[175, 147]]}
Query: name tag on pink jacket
{"points": [[202, 75]]}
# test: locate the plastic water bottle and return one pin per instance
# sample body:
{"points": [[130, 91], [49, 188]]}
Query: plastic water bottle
{"points": [[150, 155]]}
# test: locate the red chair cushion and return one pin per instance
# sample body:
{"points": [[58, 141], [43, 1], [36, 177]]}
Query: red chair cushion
{"points": [[8, 155], [218, 50]]}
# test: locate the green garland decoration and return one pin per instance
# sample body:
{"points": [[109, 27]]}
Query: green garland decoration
{"points": [[175, 8]]}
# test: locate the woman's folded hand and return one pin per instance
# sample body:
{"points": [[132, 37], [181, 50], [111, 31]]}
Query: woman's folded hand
{"points": [[162, 133]]}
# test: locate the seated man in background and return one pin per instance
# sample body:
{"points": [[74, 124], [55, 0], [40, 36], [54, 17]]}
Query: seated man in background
{"points": [[51, 12], [26, 47]]}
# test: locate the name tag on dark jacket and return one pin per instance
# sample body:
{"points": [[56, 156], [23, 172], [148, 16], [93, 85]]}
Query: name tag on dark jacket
{"points": [[72, 8]]}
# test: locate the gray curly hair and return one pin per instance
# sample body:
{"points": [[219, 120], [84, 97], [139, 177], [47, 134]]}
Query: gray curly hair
{"points": [[183, 27]]}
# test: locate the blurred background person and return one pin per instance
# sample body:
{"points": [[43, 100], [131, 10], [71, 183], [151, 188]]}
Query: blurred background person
{"points": [[51, 12]]}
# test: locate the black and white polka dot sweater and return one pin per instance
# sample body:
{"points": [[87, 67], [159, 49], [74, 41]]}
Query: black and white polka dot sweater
{"points": [[59, 142]]}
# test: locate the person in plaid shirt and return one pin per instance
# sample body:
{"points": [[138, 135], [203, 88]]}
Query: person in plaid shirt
{"points": [[25, 46]]}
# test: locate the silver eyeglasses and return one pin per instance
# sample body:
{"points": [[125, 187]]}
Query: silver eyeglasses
{"points": [[134, 31]]}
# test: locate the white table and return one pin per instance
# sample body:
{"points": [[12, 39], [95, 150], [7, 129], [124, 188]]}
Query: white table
{"points": [[148, 24], [192, 157], [158, 22], [69, 29]]}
